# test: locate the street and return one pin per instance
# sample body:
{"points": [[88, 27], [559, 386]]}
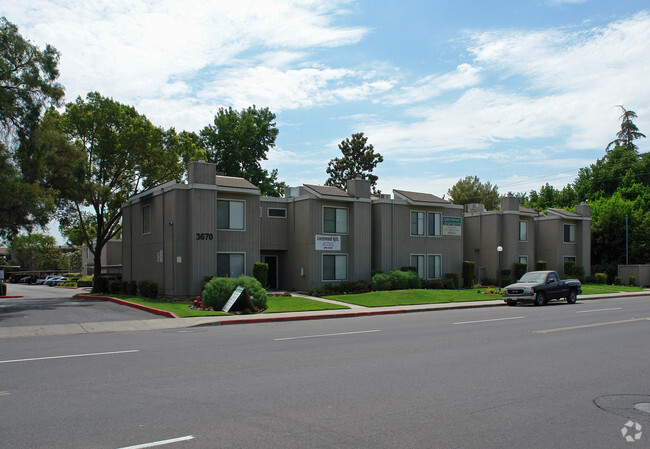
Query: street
{"points": [[554, 376]]}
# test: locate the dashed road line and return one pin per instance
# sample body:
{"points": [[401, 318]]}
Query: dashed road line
{"points": [[92, 354], [327, 335], [494, 319], [160, 443], [599, 310]]}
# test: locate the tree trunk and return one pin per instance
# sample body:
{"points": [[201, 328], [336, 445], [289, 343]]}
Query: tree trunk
{"points": [[97, 270]]}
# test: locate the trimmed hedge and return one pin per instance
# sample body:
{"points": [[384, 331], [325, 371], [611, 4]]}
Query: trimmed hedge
{"points": [[218, 290], [148, 288], [114, 286], [261, 273], [540, 265], [468, 274], [520, 270], [85, 281], [3, 289], [631, 280], [454, 278], [601, 278]]}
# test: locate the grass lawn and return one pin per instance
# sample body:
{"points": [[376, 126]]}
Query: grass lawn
{"points": [[592, 289], [416, 296], [278, 304], [180, 308]]}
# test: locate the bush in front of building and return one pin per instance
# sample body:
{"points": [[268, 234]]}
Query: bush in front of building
{"points": [[381, 282], [433, 284], [631, 280], [520, 270], [601, 278], [85, 281], [540, 265], [343, 288], [569, 268], [219, 289], [618, 280], [114, 286], [454, 281], [102, 285], [3, 289], [148, 288], [133, 287], [261, 273], [468, 274], [400, 279]]}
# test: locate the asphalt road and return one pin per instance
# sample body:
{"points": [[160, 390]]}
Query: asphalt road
{"points": [[506, 377], [43, 305]]}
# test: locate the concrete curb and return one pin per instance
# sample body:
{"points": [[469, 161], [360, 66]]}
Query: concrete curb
{"points": [[164, 313], [11, 297]]}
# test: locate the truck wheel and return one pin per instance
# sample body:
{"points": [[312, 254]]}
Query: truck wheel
{"points": [[511, 303], [540, 299], [573, 296]]}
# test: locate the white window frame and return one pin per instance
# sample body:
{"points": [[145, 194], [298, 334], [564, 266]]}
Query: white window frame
{"points": [[231, 253], [525, 258], [268, 210], [437, 224], [230, 204], [572, 233], [422, 221], [434, 266], [421, 268], [322, 269], [146, 207], [336, 220], [525, 225]]}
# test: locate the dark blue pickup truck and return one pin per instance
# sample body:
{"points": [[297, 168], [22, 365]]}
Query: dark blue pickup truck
{"points": [[539, 287]]}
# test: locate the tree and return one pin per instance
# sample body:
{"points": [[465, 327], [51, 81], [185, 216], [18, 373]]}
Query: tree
{"points": [[123, 154], [238, 141], [358, 161], [27, 85], [30, 249], [549, 196], [472, 190], [628, 133]]}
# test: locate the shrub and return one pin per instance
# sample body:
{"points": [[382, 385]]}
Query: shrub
{"points": [[85, 281], [375, 271], [3, 289], [569, 268], [381, 281], [114, 286], [68, 283], [453, 277], [261, 273], [133, 287], [323, 290], [601, 278], [488, 281], [399, 280], [148, 288], [102, 285], [434, 284], [631, 280], [540, 265], [217, 292], [580, 272], [618, 280], [409, 268], [590, 280], [450, 284], [125, 287], [468, 274], [520, 270]]}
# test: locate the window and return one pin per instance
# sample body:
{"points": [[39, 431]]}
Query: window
{"points": [[552, 277], [276, 212], [335, 220], [434, 223], [230, 264], [524, 260], [569, 233], [335, 267], [434, 266], [231, 214], [417, 261], [146, 219], [417, 223], [569, 259], [523, 231]]}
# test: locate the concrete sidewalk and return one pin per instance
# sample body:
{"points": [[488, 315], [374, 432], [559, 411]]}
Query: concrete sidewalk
{"points": [[180, 323]]}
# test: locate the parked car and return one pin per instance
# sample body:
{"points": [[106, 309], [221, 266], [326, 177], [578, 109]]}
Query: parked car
{"points": [[539, 287], [56, 281], [44, 280], [28, 280]]}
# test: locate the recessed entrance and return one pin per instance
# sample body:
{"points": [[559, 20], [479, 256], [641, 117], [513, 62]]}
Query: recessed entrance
{"points": [[272, 262]]}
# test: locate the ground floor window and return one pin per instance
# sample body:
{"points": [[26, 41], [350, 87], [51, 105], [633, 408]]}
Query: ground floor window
{"points": [[524, 260], [335, 267], [434, 266], [230, 264], [417, 261]]}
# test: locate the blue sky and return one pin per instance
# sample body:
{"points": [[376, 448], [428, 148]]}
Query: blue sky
{"points": [[518, 93]]}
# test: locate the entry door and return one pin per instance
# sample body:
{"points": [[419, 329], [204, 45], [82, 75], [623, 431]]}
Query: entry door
{"points": [[272, 262]]}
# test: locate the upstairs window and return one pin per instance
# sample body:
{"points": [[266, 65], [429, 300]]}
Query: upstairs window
{"points": [[276, 212], [569, 233], [417, 223], [434, 221], [231, 215], [523, 231], [335, 220]]}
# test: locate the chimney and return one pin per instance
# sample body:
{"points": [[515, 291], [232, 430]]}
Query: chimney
{"points": [[509, 202], [201, 172], [583, 209], [359, 188]]}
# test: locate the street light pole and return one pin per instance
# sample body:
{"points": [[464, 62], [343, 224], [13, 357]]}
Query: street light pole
{"points": [[499, 251]]}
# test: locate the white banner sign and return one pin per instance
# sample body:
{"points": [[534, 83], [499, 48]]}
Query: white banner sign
{"points": [[328, 242], [451, 226]]}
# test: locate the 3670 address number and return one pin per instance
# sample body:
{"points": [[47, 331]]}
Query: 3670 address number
{"points": [[203, 236]]}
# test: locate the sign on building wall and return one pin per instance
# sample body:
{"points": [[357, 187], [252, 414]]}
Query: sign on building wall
{"points": [[328, 242], [451, 225]]}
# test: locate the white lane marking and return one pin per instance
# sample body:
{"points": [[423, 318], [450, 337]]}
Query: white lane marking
{"points": [[160, 443], [69, 356], [495, 319], [327, 335], [585, 326], [599, 310]]}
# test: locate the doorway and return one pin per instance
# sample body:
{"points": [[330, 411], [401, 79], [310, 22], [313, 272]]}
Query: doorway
{"points": [[272, 262]]}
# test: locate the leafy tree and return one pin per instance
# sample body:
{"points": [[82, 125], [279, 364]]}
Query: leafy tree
{"points": [[29, 249], [123, 154], [628, 133], [358, 161], [27, 85], [471, 190], [238, 141], [549, 196]]}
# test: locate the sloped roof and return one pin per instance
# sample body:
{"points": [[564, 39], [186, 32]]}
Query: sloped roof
{"points": [[528, 211], [233, 182], [328, 190], [563, 213], [418, 197]]}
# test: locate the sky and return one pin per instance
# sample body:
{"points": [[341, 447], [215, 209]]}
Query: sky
{"points": [[518, 93]]}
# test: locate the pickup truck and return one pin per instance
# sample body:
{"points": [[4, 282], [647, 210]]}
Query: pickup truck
{"points": [[539, 287]]}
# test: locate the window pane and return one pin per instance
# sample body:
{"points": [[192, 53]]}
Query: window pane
{"points": [[569, 233], [237, 214], [341, 267], [414, 223], [329, 220], [524, 260], [431, 230], [146, 219], [329, 270], [342, 221], [434, 267], [523, 231], [236, 265], [277, 212], [437, 218], [223, 212], [417, 261], [223, 265]]}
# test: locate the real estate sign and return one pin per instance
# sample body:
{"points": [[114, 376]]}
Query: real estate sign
{"points": [[328, 242], [451, 225]]}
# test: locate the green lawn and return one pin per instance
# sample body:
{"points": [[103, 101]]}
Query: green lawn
{"points": [[297, 304], [179, 308], [416, 296], [592, 289]]}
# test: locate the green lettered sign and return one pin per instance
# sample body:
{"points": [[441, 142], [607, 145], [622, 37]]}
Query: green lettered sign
{"points": [[451, 226]]}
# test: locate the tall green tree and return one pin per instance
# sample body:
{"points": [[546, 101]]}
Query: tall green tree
{"points": [[549, 196], [238, 140], [123, 154], [27, 86], [358, 161], [31, 249], [628, 134], [471, 190]]}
